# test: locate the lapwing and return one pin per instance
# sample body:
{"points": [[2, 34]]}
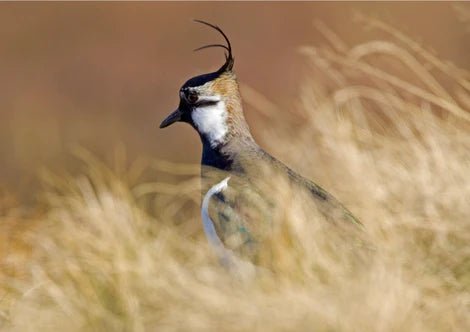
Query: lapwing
{"points": [[231, 159]]}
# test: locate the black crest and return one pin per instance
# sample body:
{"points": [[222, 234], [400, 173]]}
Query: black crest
{"points": [[229, 61]]}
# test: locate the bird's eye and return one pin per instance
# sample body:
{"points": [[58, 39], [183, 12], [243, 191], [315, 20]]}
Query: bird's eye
{"points": [[192, 97]]}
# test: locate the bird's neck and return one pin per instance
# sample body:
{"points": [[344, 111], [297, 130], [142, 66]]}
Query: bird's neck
{"points": [[227, 155], [215, 156], [223, 152]]}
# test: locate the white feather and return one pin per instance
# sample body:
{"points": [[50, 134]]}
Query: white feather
{"points": [[211, 121], [207, 223], [228, 258], [209, 98]]}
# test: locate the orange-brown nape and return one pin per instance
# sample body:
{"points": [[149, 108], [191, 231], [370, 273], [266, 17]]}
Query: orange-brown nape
{"points": [[226, 86]]}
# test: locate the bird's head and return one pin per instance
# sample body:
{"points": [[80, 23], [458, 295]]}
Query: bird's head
{"points": [[211, 103]]}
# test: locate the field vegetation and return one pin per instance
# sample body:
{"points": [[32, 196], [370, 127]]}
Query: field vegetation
{"points": [[384, 125]]}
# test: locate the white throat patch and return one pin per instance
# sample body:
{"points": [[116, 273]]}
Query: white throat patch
{"points": [[211, 122]]}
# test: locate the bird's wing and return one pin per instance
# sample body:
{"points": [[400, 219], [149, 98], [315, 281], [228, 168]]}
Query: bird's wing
{"points": [[236, 211], [229, 213], [223, 228], [327, 204]]}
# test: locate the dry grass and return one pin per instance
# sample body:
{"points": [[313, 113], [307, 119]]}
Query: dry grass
{"points": [[384, 125]]}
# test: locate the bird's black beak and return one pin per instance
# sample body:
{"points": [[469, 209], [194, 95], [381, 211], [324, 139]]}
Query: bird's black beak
{"points": [[172, 118]]}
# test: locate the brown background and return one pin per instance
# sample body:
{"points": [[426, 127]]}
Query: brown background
{"points": [[105, 74]]}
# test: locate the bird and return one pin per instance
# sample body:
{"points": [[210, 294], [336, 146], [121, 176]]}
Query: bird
{"points": [[232, 162]]}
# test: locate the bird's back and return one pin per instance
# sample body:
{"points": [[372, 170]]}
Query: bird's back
{"points": [[243, 213], [327, 204]]}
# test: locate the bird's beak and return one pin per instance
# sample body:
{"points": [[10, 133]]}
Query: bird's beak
{"points": [[172, 118]]}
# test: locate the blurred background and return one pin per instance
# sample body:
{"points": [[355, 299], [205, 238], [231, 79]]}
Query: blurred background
{"points": [[102, 75], [363, 98]]}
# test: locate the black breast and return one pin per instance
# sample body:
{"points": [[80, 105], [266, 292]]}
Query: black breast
{"points": [[215, 158]]}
